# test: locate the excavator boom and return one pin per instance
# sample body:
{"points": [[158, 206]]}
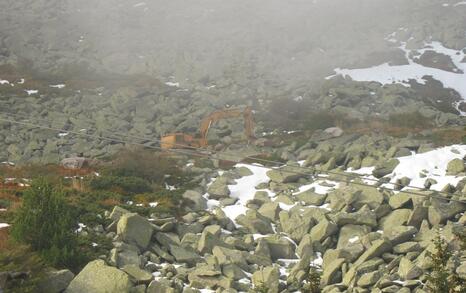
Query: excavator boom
{"points": [[180, 140]]}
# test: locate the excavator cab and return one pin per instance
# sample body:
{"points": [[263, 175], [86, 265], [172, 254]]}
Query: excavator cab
{"points": [[183, 140], [178, 141]]}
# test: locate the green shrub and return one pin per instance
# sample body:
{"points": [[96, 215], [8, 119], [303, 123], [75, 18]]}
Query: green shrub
{"points": [[312, 284], [442, 279], [128, 185], [20, 258], [410, 120], [45, 222], [144, 164]]}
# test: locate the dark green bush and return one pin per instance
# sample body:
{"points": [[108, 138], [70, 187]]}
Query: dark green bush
{"points": [[45, 222], [144, 164], [410, 120], [127, 185]]}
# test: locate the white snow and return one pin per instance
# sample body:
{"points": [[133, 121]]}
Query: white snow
{"points": [[63, 134], [318, 187], [57, 86], [31, 92], [244, 190], [318, 261], [139, 4], [353, 239], [3, 81], [153, 204], [433, 164], [454, 5], [4, 225], [81, 227], [174, 84], [21, 81], [387, 74]]}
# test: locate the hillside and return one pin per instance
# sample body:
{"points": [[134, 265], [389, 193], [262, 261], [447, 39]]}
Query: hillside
{"points": [[354, 180]]}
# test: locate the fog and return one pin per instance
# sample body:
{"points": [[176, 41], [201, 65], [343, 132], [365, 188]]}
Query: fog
{"points": [[281, 41]]}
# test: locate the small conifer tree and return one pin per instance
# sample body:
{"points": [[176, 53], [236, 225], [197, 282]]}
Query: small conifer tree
{"points": [[44, 221]]}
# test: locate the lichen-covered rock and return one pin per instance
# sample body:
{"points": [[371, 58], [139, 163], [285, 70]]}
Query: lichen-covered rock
{"points": [[97, 277], [455, 166], [385, 168], [195, 200], [285, 174], [267, 277], [55, 281], [137, 275], [132, 228]]}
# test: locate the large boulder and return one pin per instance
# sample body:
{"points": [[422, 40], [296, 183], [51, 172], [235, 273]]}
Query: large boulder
{"points": [[135, 229], [267, 277], [97, 277], [218, 189], [440, 211], [385, 168], [280, 247], [323, 230], [184, 254], [455, 166], [205, 276], [350, 234], [55, 281], [195, 200], [285, 174], [137, 275]]}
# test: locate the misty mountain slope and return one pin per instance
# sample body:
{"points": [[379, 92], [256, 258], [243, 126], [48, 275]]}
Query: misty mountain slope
{"points": [[285, 41]]}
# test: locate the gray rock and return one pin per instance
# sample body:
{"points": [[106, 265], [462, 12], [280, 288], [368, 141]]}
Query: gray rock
{"points": [[270, 210], [184, 255], [332, 272], [395, 218], [385, 168], [348, 232], [439, 212], [196, 201], [323, 230], [455, 166], [285, 174], [218, 189], [408, 270], [137, 275], [369, 279], [280, 247], [268, 277], [55, 281], [133, 228], [207, 277], [159, 287], [97, 277], [117, 212], [309, 197]]}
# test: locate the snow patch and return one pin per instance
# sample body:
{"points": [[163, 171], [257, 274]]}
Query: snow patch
{"points": [[173, 84], [57, 86], [387, 74], [31, 92]]}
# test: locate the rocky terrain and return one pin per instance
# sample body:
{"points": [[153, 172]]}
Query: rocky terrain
{"points": [[357, 170], [257, 227], [110, 76]]}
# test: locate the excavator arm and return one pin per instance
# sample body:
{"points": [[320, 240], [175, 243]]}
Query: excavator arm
{"points": [[176, 140], [225, 114]]}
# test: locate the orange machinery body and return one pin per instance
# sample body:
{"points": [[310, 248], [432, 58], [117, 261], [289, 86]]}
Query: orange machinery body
{"points": [[182, 140]]}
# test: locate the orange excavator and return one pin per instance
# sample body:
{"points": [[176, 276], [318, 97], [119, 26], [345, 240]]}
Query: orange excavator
{"points": [[183, 140]]}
